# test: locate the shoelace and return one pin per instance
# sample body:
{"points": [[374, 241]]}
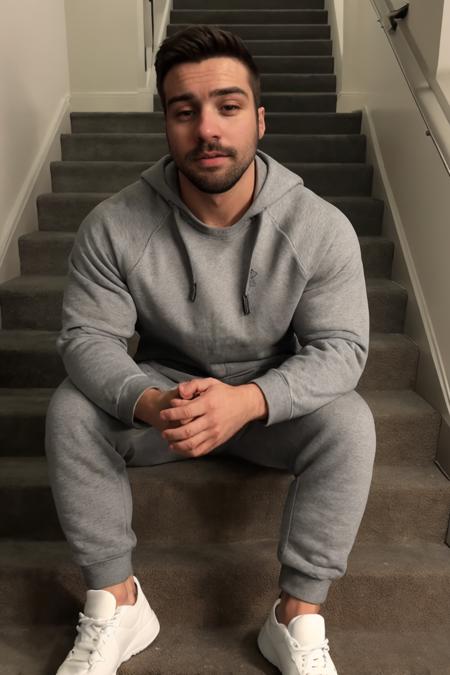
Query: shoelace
{"points": [[91, 635], [314, 659]]}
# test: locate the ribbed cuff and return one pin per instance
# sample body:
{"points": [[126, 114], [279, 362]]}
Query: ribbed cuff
{"points": [[108, 572], [277, 394], [302, 587]]}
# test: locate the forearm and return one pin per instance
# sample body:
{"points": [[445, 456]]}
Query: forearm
{"points": [[105, 373], [308, 380]]}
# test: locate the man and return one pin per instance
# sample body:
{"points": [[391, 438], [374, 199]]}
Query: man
{"points": [[248, 293]]}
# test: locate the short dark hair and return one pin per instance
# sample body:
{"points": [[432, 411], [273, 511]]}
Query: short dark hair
{"points": [[197, 43]]}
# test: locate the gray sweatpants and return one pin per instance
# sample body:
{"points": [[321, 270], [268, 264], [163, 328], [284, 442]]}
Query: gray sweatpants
{"points": [[329, 452]]}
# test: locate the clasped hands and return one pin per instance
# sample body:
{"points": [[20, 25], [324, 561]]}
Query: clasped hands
{"points": [[209, 412]]}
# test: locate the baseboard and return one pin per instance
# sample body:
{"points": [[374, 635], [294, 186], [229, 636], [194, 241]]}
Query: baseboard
{"points": [[22, 217], [432, 382]]}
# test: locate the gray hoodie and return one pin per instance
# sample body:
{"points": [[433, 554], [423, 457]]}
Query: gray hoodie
{"points": [[278, 299]]}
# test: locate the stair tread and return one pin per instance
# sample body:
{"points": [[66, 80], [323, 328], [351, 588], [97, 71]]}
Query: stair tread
{"points": [[31, 472], [378, 559], [189, 650]]}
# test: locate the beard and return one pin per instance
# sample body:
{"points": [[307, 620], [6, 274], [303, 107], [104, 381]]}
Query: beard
{"points": [[214, 180]]}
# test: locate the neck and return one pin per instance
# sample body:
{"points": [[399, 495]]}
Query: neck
{"points": [[223, 209]]}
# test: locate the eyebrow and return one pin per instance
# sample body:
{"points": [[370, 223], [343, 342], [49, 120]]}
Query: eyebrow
{"points": [[189, 96]]}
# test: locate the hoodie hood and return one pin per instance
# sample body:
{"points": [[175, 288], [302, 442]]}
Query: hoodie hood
{"points": [[272, 182]]}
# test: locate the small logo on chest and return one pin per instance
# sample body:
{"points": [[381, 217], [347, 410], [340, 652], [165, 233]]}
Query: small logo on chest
{"points": [[253, 274]]}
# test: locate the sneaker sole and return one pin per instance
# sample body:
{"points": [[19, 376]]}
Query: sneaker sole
{"points": [[143, 639], [266, 649]]}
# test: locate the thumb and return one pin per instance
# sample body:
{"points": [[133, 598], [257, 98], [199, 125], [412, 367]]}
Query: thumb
{"points": [[185, 390], [193, 387]]}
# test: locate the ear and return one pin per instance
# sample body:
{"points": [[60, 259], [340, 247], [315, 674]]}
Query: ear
{"points": [[261, 122]]}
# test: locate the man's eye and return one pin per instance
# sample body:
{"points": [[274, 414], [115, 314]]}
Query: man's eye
{"points": [[184, 113], [230, 107]]}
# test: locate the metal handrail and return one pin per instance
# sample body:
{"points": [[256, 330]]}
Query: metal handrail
{"points": [[428, 123]]}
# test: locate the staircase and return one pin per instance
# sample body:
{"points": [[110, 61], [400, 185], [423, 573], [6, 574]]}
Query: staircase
{"points": [[198, 531]]}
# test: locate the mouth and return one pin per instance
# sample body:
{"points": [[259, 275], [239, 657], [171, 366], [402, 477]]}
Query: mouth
{"points": [[211, 158], [211, 155]]}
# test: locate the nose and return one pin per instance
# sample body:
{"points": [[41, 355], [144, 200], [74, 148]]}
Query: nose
{"points": [[208, 127]]}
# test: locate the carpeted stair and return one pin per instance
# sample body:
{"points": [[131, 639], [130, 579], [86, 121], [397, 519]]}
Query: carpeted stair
{"points": [[208, 529]]}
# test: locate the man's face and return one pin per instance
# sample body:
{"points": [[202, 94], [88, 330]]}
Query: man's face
{"points": [[212, 126]]}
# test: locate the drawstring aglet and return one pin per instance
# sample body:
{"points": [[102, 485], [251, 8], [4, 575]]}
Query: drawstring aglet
{"points": [[246, 303]]}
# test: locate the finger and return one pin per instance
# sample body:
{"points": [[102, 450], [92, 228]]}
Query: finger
{"points": [[195, 446], [184, 432], [193, 387], [183, 410], [189, 419]]}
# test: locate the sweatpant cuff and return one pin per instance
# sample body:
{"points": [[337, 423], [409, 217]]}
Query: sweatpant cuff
{"points": [[109, 572], [302, 587]]}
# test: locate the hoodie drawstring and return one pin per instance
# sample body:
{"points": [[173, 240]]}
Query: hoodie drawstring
{"points": [[255, 229]]}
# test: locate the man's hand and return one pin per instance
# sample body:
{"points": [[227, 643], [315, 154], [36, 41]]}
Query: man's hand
{"points": [[150, 404], [219, 410]]}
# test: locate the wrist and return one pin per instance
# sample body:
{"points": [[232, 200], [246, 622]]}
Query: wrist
{"points": [[257, 404], [145, 406]]}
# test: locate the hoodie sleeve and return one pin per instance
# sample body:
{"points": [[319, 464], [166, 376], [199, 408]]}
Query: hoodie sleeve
{"points": [[98, 317], [331, 322]]}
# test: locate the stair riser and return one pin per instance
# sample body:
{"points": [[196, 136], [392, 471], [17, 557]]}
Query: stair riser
{"points": [[52, 257], [366, 217], [295, 64], [145, 147], [259, 32], [290, 47], [377, 258], [297, 82], [240, 16], [218, 592], [64, 213], [393, 368], [251, 509], [43, 311], [290, 102], [27, 368], [406, 440], [248, 4], [285, 123], [331, 180]]}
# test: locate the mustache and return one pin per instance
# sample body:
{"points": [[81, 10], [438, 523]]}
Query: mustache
{"points": [[198, 152]]}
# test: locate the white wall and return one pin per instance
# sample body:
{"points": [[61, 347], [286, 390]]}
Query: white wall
{"points": [[107, 55], [424, 22], [34, 91], [412, 177], [443, 71]]}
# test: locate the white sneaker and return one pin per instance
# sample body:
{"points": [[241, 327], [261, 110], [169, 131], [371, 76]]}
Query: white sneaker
{"points": [[109, 635], [298, 649]]}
